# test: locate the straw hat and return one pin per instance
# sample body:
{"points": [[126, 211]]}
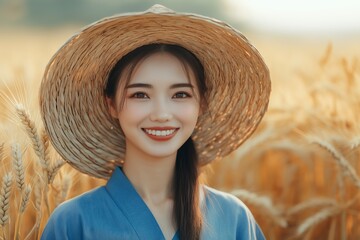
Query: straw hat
{"points": [[74, 111]]}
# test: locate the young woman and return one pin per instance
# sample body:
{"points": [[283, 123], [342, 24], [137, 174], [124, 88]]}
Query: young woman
{"points": [[144, 100]]}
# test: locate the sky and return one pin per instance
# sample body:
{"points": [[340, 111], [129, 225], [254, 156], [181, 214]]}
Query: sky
{"points": [[305, 16]]}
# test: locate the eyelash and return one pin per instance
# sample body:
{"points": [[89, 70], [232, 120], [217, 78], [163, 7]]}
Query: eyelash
{"points": [[136, 95], [144, 95]]}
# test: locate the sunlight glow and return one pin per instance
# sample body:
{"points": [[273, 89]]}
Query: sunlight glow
{"points": [[306, 16]]}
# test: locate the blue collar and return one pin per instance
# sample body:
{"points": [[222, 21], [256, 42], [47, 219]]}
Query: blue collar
{"points": [[133, 207]]}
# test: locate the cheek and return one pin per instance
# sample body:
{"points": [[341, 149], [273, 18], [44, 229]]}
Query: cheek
{"points": [[132, 113], [188, 113]]}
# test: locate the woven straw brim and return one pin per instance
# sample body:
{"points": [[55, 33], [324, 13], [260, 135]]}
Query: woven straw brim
{"points": [[72, 103]]}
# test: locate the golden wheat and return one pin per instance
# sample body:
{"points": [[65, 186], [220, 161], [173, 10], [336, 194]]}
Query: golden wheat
{"points": [[18, 167], [340, 159], [34, 136], [55, 167], [312, 203], [5, 199], [318, 217], [262, 202], [1, 151]]}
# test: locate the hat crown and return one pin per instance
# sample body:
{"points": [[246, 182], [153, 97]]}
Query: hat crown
{"points": [[158, 8]]}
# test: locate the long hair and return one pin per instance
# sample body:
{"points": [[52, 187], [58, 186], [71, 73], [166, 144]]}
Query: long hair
{"points": [[186, 184], [187, 202]]}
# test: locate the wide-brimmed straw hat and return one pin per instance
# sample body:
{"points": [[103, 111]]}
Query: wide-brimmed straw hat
{"points": [[76, 116]]}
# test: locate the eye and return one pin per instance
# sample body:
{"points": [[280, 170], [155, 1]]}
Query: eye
{"points": [[181, 95], [139, 95]]}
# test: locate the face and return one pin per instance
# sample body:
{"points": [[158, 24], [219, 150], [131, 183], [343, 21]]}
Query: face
{"points": [[161, 106]]}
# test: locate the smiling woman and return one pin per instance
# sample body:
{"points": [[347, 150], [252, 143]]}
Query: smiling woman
{"points": [[160, 110], [159, 113]]}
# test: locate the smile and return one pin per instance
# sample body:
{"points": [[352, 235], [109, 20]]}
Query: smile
{"points": [[160, 134]]}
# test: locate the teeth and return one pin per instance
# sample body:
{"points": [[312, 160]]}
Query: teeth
{"points": [[160, 132]]}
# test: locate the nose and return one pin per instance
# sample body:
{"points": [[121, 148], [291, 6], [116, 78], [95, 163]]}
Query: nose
{"points": [[161, 111]]}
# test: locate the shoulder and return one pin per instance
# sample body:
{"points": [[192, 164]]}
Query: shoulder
{"points": [[225, 211], [81, 203], [69, 217], [225, 201]]}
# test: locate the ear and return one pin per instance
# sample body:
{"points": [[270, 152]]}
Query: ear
{"points": [[112, 107]]}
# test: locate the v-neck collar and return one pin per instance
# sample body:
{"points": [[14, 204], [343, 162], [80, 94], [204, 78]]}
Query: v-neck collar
{"points": [[133, 207]]}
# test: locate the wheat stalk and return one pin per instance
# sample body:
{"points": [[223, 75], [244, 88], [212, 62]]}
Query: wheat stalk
{"points": [[1, 151], [18, 166], [316, 202], [65, 185], [340, 159], [325, 214], [263, 202], [38, 194], [317, 218], [37, 205], [5, 199], [25, 197]]}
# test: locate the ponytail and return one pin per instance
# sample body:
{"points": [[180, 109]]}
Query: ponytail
{"points": [[187, 200]]}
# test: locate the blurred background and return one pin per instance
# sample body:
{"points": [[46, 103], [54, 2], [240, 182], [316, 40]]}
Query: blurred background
{"points": [[319, 17], [298, 173]]}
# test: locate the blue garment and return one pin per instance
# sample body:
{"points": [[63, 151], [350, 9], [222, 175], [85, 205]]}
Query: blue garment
{"points": [[116, 211]]}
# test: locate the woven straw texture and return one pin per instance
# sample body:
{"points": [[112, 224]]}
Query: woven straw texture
{"points": [[74, 111]]}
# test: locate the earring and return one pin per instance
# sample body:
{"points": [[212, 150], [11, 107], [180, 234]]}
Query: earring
{"points": [[112, 127]]}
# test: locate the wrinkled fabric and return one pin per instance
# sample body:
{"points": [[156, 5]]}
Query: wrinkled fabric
{"points": [[116, 211]]}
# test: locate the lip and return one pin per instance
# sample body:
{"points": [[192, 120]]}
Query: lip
{"points": [[161, 138]]}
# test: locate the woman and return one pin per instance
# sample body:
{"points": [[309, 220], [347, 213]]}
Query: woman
{"points": [[171, 104]]}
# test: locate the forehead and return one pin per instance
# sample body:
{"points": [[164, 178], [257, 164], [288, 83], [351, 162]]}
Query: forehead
{"points": [[162, 68]]}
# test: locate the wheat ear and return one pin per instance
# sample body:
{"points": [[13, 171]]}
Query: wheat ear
{"points": [[18, 166], [355, 143], [263, 202], [5, 193], [54, 170], [340, 159], [38, 146], [326, 57], [34, 136], [45, 141], [25, 198]]}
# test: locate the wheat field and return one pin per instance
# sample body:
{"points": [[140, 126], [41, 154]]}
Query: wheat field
{"points": [[298, 173]]}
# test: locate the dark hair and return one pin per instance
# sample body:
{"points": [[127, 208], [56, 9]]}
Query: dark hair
{"points": [[186, 183]]}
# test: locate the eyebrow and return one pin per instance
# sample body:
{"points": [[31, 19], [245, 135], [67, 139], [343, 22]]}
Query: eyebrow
{"points": [[145, 85]]}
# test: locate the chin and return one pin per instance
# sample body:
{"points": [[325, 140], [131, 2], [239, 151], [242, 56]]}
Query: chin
{"points": [[162, 154]]}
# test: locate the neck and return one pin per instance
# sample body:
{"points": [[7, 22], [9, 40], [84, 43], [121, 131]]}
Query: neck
{"points": [[151, 177]]}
